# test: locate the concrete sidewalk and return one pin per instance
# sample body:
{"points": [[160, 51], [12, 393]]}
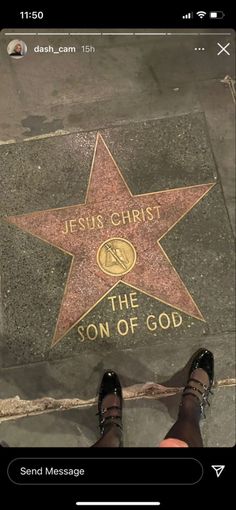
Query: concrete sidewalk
{"points": [[168, 122]]}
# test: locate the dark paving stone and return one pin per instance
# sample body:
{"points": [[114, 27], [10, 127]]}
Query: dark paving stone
{"points": [[45, 174], [35, 273], [178, 153], [206, 282]]}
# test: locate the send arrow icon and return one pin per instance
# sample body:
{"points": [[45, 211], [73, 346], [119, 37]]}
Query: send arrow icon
{"points": [[218, 470]]}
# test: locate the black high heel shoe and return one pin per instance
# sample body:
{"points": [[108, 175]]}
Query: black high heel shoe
{"points": [[111, 386], [202, 359]]}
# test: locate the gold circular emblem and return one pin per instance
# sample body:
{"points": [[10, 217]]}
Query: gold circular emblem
{"points": [[116, 256]]}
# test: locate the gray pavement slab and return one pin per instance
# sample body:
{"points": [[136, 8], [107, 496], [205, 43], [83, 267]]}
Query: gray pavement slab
{"points": [[125, 68], [217, 102], [145, 422]]}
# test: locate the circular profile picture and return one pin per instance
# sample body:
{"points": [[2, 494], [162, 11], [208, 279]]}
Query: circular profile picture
{"points": [[16, 48]]}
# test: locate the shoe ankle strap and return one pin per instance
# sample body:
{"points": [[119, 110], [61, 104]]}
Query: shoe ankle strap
{"points": [[206, 388], [189, 387], [105, 409], [201, 397], [111, 420]]}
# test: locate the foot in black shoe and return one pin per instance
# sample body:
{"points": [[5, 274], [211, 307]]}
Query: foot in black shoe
{"points": [[204, 359], [200, 380], [110, 403]]}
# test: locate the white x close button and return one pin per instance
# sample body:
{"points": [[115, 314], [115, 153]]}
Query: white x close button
{"points": [[223, 49]]}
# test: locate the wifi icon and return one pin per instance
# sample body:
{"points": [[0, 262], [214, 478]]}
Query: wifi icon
{"points": [[201, 14]]}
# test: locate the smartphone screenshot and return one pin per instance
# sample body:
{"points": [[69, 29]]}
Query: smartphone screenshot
{"points": [[117, 272]]}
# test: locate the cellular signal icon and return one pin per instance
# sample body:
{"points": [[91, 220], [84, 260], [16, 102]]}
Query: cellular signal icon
{"points": [[188, 16]]}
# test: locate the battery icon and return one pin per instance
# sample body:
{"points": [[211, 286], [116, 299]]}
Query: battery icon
{"points": [[217, 14]]}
